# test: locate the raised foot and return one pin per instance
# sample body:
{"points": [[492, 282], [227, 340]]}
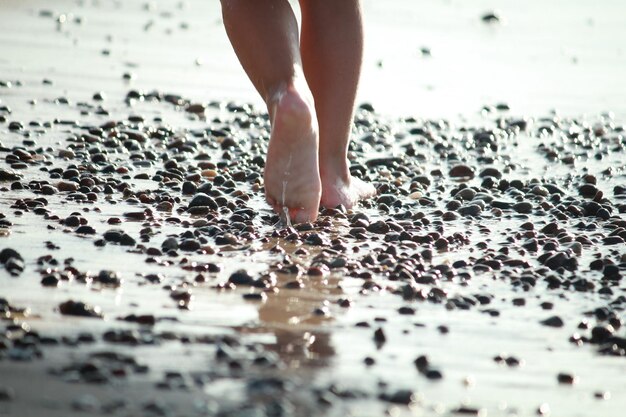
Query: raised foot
{"points": [[348, 193], [291, 174]]}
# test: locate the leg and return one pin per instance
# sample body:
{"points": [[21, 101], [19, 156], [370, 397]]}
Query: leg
{"points": [[332, 50], [264, 34]]}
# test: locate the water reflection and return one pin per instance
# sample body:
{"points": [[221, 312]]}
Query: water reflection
{"points": [[296, 318]]}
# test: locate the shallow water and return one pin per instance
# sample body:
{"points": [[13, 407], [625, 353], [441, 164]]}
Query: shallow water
{"points": [[471, 66]]}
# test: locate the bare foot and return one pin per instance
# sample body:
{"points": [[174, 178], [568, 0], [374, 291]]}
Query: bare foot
{"points": [[291, 175], [344, 189]]}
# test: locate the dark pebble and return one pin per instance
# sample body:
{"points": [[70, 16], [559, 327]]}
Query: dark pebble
{"points": [[241, 277], [9, 175], [189, 245], [255, 296], [461, 171], [403, 397], [379, 336], [466, 411], [554, 321], [523, 207], [8, 253], [203, 200], [108, 278], [127, 240], [471, 210], [433, 374], [490, 172], [588, 190], [85, 230], [169, 244], [78, 308], [565, 378], [406, 311], [50, 281]]}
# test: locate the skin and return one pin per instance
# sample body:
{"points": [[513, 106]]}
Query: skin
{"points": [[309, 87]]}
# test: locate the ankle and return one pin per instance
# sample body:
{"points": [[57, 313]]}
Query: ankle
{"points": [[291, 103], [336, 169]]}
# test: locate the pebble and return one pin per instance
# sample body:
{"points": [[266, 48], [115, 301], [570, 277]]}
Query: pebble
{"points": [[108, 278], [466, 411], [465, 194], [78, 308], [461, 171], [379, 227], [67, 186], [402, 396], [491, 18], [12, 261], [470, 210], [9, 175], [8, 253], [553, 321], [490, 172], [523, 207], [203, 200], [379, 336], [241, 277], [85, 230], [566, 378], [256, 296], [189, 245]]}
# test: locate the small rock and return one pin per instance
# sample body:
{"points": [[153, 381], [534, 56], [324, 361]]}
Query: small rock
{"points": [[67, 186], [491, 18], [85, 230], [78, 308], [565, 378], [9, 175], [203, 200], [241, 277], [108, 278], [461, 171], [379, 336], [554, 321], [8, 253], [189, 245], [490, 172], [255, 296], [523, 207], [403, 396]]}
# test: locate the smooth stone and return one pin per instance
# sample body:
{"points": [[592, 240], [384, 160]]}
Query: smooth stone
{"points": [[9, 175], [64, 186], [554, 321], [523, 207], [470, 210], [8, 253], [465, 194], [461, 171], [203, 200], [189, 245], [490, 172], [78, 308]]}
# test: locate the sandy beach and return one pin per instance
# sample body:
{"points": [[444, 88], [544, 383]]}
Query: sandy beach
{"points": [[142, 272]]}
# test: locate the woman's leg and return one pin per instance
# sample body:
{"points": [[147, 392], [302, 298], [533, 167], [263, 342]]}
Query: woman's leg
{"points": [[332, 51], [264, 34]]}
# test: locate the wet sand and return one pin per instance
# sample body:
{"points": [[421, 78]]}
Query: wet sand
{"points": [[485, 278]]}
